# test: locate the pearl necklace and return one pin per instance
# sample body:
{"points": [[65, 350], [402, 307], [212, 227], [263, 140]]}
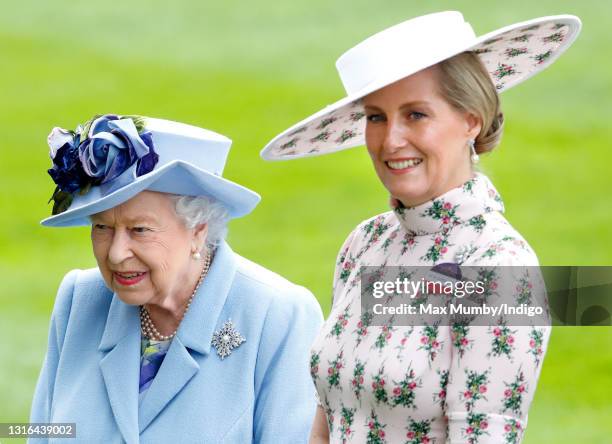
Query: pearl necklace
{"points": [[147, 327]]}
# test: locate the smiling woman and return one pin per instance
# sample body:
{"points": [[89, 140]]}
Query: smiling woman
{"points": [[144, 255], [415, 138], [415, 128], [425, 111], [170, 313]]}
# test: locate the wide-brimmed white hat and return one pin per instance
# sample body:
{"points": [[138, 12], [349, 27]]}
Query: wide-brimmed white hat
{"points": [[112, 158], [511, 55]]}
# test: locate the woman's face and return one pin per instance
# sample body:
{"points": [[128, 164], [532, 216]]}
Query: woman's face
{"points": [[144, 250], [417, 140]]}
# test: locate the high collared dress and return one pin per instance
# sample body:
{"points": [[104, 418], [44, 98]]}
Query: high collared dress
{"points": [[428, 384]]}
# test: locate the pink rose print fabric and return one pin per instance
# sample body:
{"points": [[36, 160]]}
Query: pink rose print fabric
{"points": [[428, 384]]}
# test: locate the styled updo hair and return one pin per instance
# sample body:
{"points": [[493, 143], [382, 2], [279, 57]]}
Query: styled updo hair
{"points": [[467, 86]]}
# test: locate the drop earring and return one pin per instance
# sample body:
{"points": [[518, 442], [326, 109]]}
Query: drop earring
{"points": [[196, 255], [474, 157]]}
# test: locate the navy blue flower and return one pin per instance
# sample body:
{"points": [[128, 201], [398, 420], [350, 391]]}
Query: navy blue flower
{"points": [[100, 151], [66, 171]]}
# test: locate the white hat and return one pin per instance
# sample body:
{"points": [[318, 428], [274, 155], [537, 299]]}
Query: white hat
{"points": [[511, 55]]}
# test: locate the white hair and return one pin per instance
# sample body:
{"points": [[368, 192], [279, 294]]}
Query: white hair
{"points": [[197, 210]]}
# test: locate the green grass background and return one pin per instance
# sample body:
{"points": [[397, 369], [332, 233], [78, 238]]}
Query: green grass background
{"points": [[249, 69]]}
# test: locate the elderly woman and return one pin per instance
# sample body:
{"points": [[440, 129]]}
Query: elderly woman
{"points": [[423, 95], [173, 337]]}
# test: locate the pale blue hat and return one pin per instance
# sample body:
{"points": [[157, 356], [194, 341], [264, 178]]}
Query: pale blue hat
{"points": [[111, 158]]}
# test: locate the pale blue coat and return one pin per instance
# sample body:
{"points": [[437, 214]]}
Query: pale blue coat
{"points": [[261, 393]]}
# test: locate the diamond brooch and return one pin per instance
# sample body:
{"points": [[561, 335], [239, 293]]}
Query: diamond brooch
{"points": [[226, 339]]}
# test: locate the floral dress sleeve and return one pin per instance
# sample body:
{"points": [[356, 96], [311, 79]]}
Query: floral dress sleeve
{"points": [[346, 261], [494, 370]]}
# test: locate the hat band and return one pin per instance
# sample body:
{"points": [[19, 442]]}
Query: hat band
{"points": [[126, 178]]}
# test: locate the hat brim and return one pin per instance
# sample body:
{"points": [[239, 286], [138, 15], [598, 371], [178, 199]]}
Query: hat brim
{"points": [[176, 177], [341, 125]]}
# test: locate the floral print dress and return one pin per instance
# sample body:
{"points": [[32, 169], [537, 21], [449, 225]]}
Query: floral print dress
{"points": [[429, 384]]}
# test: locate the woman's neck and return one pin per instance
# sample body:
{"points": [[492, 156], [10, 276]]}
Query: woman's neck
{"points": [[168, 313], [455, 182]]}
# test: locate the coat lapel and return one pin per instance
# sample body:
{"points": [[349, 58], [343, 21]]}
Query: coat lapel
{"points": [[175, 372], [120, 366], [192, 339]]}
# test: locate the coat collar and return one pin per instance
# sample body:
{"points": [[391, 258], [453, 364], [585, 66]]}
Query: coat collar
{"points": [[120, 344], [198, 326], [461, 205]]}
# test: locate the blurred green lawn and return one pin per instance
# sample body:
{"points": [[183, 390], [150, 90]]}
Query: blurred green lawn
{"points": [[249, 70]]}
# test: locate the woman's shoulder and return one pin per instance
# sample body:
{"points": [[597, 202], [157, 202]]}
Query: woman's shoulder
{"points": [[386, 220], [90, 278], [264, 285], [77, 282], [81, 287], [501, 244], [81, 292], [373, 226]]}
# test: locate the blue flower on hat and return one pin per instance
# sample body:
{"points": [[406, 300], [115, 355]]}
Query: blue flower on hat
{"points": [[111, 145], [96, 153], [66, 171]]}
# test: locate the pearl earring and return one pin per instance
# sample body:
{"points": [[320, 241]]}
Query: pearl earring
{"points": [[196, 255], [474, 157]]}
